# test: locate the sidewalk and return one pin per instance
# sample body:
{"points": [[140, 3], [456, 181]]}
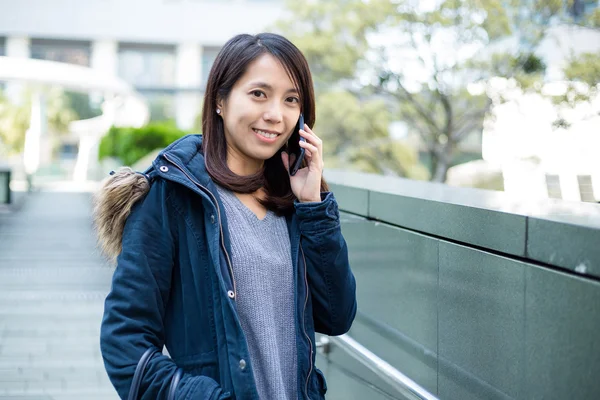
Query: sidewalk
{"points": [[52, 288]]}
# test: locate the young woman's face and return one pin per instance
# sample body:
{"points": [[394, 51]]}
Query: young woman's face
{"points": [[259, 115]]}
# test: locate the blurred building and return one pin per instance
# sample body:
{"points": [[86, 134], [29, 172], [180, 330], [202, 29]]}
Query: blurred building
{"points": [[164, 48], [538, 147]]}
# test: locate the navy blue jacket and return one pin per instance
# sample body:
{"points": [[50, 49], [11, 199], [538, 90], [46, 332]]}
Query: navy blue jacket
{"points": [[174, 286]]}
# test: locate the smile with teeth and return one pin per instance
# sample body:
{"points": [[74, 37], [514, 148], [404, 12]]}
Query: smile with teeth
{"points": [[266, 134]]}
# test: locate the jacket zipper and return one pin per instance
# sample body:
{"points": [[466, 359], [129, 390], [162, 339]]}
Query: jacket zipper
{"points": [[218, 214], [304, 324], [233, 277]]}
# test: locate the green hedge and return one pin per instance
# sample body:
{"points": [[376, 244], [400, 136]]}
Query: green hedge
{"points": [[131, 144]]}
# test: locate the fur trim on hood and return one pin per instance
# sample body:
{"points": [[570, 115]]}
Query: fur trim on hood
{"points": [[112, 205]]}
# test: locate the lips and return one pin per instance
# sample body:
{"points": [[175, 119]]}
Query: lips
{"points": [[266, 133]]}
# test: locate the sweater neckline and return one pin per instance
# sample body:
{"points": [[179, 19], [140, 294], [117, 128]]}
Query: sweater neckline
{"points": [[244, 207]]}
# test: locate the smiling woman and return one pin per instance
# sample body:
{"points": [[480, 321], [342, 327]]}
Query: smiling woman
{"points": [[229, 261], [257, 88], [269, 109]]}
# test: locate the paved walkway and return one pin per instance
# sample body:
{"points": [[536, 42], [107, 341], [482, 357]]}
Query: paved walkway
{"points": [[52, 288]]}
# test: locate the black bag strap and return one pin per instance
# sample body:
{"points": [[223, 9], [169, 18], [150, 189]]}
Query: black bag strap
{"points": [[139, 374]]}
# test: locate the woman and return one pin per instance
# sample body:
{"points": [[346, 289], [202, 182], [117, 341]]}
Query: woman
{"points": [[223, 256]]}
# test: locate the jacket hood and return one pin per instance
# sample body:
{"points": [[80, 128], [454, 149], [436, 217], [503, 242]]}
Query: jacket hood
{"points": [[123, 188]]}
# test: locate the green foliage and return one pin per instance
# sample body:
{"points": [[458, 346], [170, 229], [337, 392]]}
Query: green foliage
{"points": [[585, 68], [355, 134], [131, 144], [14, 121], [81, 106], [14, 118], [59, 111], [529, 63], [347, 46], [593, 20], [334, 34], [346, 122]]}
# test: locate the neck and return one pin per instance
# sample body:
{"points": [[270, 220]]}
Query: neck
{"points": [[242, 166]]}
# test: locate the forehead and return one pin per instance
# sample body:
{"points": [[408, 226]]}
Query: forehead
{"points": [[267, 69]]}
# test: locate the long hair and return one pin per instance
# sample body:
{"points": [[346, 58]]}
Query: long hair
{"points": [[229, 66]]}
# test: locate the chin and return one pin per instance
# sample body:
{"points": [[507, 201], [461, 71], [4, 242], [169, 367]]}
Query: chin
{"points": [[254, 153], [264, 156]]}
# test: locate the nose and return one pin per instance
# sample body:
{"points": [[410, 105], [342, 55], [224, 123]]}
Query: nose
{"points": [[273, 113]]}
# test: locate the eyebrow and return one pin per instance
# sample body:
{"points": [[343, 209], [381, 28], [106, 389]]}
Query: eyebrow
{"points": [[265, 85]]}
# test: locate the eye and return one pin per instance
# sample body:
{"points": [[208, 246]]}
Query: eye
{"points": [[293, 99], [258, 93]]}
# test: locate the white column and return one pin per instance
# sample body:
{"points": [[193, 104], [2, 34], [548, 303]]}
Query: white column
{"points": [[18, 47], [569, 186], [596, 185], [35, 133], [188, 73], [105, 57]]}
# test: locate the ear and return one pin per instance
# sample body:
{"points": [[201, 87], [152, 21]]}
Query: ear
{"points": [[220, 102]]}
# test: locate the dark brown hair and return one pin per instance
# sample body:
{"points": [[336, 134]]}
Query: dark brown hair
{"points": [[229, 66]]}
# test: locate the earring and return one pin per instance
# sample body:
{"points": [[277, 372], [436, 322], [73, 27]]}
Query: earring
{"points": [[218, 111]]}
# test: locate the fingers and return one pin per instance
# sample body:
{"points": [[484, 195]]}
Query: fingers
{"points": [[313, 146], [309, 148], [310, 136], [312, 139]]}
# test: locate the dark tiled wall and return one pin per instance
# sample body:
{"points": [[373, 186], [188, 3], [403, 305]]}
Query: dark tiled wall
{"points": [[466, 323]]}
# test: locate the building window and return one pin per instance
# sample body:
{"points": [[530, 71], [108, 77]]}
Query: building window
{"points": [[150, 68], [147, 66], [65, 51], [209, 54], [553, 186]]}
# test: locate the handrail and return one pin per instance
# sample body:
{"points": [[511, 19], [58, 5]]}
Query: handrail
{"points": [[403, 384], [426, 355]]}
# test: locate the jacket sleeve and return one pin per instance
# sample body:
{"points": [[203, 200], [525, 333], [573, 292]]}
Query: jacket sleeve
{"points": [[331, 281], [134, 309]]}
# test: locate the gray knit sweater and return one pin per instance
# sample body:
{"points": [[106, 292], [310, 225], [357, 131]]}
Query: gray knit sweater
{"points": [[262, 267]]}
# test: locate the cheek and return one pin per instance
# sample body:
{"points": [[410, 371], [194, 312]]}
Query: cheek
{"points": [[235, 107], [291, 124]]}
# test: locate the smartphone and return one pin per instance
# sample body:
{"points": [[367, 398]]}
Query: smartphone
{"points": [[294, 150]]}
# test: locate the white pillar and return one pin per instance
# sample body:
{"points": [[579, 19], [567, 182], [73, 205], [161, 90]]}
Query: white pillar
{"points": [[35, 133], [569, 186], [188, 75], [596, 185], [18, 47], [105, 56]]}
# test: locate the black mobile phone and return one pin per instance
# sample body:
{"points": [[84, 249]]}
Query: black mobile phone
{"points": [[295, 152]]}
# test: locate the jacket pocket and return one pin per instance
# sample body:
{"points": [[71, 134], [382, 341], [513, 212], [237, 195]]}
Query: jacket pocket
{"points": [[321, 382], [199, 364]]}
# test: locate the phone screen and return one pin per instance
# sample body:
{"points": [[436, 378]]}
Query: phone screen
{"points": [[296, 152]]}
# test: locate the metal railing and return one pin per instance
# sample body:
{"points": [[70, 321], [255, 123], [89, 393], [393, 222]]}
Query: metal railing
{"points": [[405, 386]]}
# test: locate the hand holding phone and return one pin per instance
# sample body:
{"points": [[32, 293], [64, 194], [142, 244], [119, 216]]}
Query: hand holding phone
{"points": [[295, 152]]}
